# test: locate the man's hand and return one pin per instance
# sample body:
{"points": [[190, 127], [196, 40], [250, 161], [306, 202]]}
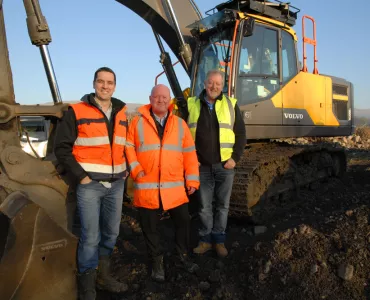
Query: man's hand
{"points": [[191, 190], [141, 174], [85, 180], [230, 164]]}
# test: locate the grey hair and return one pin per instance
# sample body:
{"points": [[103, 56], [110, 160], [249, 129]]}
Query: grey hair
{"points": [[215, 72]]}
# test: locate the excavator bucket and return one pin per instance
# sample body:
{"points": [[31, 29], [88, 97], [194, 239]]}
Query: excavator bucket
{"points": [[38, 256], [37, 251]]}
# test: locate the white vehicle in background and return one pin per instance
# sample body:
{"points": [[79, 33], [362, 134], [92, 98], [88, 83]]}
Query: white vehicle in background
{"points": [[34, 135]]}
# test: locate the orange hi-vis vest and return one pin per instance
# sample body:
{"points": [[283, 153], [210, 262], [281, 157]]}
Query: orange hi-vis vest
{"points": [[169, 165], [93, 150]]}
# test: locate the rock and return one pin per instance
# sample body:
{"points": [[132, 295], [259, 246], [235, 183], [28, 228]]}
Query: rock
{"points": [[244, 230], [215, 276], [136, 287], [204, 286], [235, 244], [345, 271], [357, 139], [349, 213], [220, 265], [302, 229], [259, 230], [286, 234], [267, 267], [314, 269]]}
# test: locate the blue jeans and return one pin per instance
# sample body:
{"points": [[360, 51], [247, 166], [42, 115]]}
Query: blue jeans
{"points": [[100, 211], [216, 184]]}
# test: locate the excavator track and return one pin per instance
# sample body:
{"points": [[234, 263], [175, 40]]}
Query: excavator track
{"points": [[270, 173]]}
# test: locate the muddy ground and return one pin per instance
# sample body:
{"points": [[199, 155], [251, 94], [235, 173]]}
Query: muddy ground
{"points": [[319, 249]]}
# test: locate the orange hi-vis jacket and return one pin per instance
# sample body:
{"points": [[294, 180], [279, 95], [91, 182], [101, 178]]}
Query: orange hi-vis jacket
{"points": [[101, 159], [169, 165]]}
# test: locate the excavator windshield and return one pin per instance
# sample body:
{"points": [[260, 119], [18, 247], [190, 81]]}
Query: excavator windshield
{"points": [[215, 54], [216, 46]]}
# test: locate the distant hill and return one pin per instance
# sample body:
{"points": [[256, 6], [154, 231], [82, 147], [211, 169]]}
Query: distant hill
{"points": [[362, 116]]}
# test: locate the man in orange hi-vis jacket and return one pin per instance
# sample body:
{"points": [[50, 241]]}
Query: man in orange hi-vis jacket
{"points": [[164, 165], [90, 145]]}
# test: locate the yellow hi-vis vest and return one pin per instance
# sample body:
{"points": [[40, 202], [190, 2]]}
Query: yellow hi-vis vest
{"points": [[225, 111]]}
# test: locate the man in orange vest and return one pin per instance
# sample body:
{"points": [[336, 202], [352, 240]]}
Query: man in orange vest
{"points": [[164, 166], [90, 144]]}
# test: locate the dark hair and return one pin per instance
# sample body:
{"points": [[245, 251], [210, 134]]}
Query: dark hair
{"points": [[104, 69]]}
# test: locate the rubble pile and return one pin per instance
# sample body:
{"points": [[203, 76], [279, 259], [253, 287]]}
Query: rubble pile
{"points": [[359, 140]]}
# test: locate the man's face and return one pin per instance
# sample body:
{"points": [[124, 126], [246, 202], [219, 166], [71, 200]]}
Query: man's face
{"points": [[160, 99], [214, 85], [104, 86]]}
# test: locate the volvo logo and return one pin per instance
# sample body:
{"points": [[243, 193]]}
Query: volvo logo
{"points": [[293, 116]]}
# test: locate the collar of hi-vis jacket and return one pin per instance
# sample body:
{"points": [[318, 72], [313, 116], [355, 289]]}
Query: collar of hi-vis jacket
{"points": [[116, 103], [145, 111]]}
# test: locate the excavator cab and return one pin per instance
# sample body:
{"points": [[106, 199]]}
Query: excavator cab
{"points": [[255, 46]]}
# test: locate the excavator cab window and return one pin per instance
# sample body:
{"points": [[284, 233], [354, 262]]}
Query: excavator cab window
{"points": [[215, 54], [258, 76], [289, 57]]}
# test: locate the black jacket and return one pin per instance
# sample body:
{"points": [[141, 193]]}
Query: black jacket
{"points": [[207, 140], [67, 134]]}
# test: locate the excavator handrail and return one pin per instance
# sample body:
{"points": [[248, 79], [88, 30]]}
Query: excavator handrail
{"points": [[160, 74], [313, 42]]}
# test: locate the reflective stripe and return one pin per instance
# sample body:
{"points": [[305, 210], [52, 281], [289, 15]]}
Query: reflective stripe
{"points": [[134, 164], [192, 177], [227, 126], [156, 185], [119, 140], [149, 147], [93, 141], [96, 168], [188, 149], [172, 148], [119, 168], [192, 125], [106, 169], [232, 112], [181, 133], [140, 130], [128, 144], [227, 145]]}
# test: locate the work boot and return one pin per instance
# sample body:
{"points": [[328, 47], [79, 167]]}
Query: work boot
{"points": [[105, 281], [221, 250], [202, 248], [86, 285], [187, 264], [158, 269]]}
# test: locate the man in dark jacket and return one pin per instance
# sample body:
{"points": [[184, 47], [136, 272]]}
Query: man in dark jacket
{"points": [[218, 129], [90, 145]]}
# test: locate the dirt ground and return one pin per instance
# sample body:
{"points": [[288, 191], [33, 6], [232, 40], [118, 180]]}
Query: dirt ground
{"points": [[319, 249]]}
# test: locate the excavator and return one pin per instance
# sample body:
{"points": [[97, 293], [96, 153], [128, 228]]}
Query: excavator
{"points": [[255, 46]]}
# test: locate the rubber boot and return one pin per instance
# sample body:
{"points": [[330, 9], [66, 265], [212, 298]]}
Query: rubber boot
{"points": [[105, 281], [158, 269], [86, 285]]}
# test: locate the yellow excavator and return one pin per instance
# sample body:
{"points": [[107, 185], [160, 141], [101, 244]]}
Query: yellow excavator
{"points": [[254, 44]]}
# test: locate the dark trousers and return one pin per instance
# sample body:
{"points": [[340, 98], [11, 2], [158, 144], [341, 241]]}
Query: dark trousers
{"points": [[149, 222]]}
